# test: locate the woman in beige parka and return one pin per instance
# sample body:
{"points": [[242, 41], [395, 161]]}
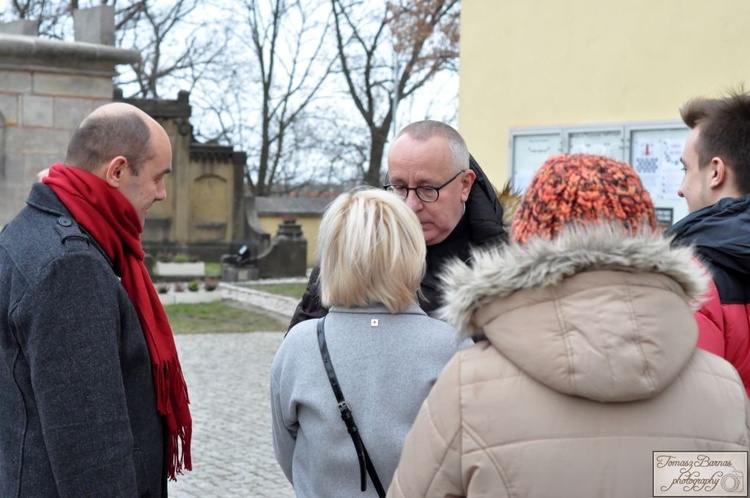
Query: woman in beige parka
{"points": [[590, 364]]}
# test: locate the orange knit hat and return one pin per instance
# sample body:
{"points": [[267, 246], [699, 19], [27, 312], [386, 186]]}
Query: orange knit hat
{"points": [[580, 189]]}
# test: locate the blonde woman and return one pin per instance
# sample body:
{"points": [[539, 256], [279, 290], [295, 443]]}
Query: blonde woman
{"points": [[386, 351]]}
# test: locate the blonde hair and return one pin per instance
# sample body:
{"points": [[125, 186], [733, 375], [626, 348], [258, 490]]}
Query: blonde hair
{"points": [[371, 250]]}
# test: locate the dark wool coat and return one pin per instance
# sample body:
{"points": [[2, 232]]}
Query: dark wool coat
{"points": [[77, 401], [481, 225]]}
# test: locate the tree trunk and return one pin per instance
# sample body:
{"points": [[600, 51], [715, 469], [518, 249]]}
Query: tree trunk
{"points": [[378, 138]]}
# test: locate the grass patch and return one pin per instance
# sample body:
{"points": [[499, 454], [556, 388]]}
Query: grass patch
{"points": [[213, 269], [291, 290], [217, 317]]}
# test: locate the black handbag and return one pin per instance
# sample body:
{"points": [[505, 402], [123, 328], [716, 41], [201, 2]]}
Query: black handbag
{"points": [[348, 417]]}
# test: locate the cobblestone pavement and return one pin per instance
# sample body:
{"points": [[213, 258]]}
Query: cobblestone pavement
{"points": [[227, 375]]}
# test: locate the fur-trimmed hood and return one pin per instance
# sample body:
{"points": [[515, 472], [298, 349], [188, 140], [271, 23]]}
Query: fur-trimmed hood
{"points": [[595, 312]]}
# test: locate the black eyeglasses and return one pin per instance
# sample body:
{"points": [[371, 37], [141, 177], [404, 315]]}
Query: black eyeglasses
{"points": [[426, 193]]}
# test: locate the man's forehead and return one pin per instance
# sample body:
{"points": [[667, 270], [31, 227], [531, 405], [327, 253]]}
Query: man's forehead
{"points": [[415, 173], [691, 142], [424, 169]]}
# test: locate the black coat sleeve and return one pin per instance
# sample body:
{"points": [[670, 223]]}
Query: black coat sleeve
{"points": [[310, 305]]}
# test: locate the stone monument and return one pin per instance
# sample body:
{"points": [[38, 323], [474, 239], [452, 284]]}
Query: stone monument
{"points": [[46, 88]]}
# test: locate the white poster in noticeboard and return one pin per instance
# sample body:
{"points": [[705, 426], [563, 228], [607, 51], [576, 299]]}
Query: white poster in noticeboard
{"points": [[655, 155], [602, 143], [652, 148], [529, 153]]}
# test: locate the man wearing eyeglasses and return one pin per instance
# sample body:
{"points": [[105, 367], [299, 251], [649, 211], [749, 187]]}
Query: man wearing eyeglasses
{"points": [[429, 166]]}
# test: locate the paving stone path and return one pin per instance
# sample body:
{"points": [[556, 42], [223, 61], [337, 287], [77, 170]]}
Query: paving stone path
{"points": [[227, 375]]}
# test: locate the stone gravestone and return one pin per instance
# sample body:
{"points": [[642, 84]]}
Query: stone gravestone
{"points": [[287, 256]]}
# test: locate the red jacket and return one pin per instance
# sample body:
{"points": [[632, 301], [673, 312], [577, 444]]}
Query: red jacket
{"points": [[725, 331], [721, 236]]}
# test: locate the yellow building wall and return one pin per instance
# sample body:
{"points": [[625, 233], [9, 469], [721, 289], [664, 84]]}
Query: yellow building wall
{"points": [[198, 207], [309, 225], [552, 62]]}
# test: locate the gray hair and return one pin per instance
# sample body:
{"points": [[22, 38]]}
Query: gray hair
{"points": [[425, 130]]}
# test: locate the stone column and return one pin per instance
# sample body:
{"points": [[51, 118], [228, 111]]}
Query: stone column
{"points": [[46, 88]]}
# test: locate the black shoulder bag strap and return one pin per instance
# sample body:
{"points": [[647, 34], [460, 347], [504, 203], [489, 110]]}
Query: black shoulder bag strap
{"points": [[347, 417]]}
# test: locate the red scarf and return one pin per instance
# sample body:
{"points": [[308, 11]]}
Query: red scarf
{"points": [[112, 221]]}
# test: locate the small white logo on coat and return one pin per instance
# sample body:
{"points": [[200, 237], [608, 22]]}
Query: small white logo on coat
{"points": [[374, 322]]}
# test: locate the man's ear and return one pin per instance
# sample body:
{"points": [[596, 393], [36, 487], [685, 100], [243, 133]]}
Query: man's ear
{"points": [[719, 172], [466, 182], [114, 170]]}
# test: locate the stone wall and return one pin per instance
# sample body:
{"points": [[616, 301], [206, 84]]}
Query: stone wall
{"points": [[46, 88], [203, 214]]}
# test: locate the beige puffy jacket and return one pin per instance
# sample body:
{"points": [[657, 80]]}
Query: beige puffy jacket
{"points": [[589, 367]]}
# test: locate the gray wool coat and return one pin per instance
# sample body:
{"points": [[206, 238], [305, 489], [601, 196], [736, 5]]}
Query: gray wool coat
{"points": [[385, 373], [77, 401]]}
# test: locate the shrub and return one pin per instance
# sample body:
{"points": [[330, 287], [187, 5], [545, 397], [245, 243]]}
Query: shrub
{"points": [[181, 257], [179, 287], [194, 285], [165, 256], [162, 287]]}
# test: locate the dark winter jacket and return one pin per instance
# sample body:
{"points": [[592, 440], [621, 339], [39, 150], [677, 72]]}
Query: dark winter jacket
{"points": [[480, 226], [721, 235], [77, 401]]}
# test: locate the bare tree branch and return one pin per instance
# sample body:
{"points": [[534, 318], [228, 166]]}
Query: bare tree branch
{"points": [[422, 42], [290, 78]]}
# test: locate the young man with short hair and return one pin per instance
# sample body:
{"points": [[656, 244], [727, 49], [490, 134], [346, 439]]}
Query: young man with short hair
{"points": [[716, 187]]}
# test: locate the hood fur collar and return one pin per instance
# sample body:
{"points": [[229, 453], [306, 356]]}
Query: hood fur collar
{"points": [[500, 271]]}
